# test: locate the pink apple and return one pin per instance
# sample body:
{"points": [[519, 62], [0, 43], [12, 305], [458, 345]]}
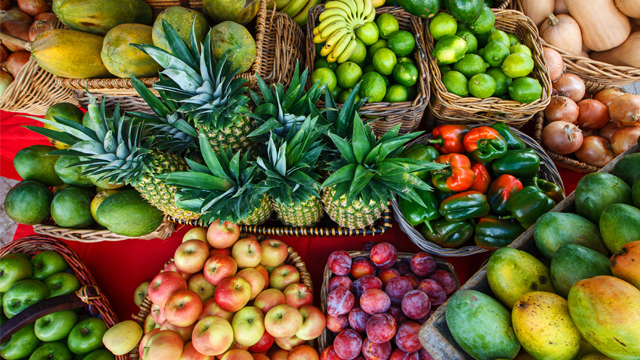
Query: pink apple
{"points": [[265, 274], [274, 252], [173, 268], [219, 267], [184, 332], [284, 276], [237, 354], [303, 352], [223, 235], [233, 293], [149, 323], [313, 322], [247, 253], [258, 356], [199, 284], [289, 343], [190, 353], [278, 354], [164, 345], [297, 295], [145, 339], [263, 344], [197, 233], [212, 336], [283, 321], [210, 308], [157, 312], [164, 285], [255, 280], [183, 308], [248, 326], [268, 299], [191, 255], [226, 251]]}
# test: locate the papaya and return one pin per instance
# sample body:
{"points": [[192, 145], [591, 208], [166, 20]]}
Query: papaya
{"points": [[28, 202], [544, 327], [619, 224], [596, 191], [628, 168], [70, 54], [512, 273], [236, 41], [181, 19], [606, 311], [127, 213], [122, 59], [64, 110], [625, 264], [71, 174], [555, 229], [70, 208], [481, 326], [594, 356], [572, 263], [100, 16], [635, 192], [34, 163], [239, 11]]}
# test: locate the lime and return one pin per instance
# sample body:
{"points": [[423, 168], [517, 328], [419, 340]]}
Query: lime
{"points": [[495, 52], [405, 59], [443, 25], [368, 33], [325, 76], [471, 64], [481, 52], [397, 93], [444, 68], [359, 54], [482, 39], [513, 39], [402, 43], [384, 60], [499, 35], [519, 48], [368, 68], [463, 27], [482, 86], [502, 81], [485, 22], [470, 39], [517, 65], [348, 74], [373, 87], [336, 92], [525, 90], [387, 82], [450, 49], [342, 98], [456, 83], [387, 25], [323, 63], [375, 47], [405, 74]]}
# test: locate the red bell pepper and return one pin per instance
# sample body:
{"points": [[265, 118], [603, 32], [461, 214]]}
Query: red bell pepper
{"points": [[484, 144], [499, 192], [449, 139], [483, 179], [455, 178]]}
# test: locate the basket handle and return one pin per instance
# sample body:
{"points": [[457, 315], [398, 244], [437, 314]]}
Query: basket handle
{"points": [[15, 41], [49, 306]]}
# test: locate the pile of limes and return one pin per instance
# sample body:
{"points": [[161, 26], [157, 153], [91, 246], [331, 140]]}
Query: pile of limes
{"points": [[382, 63], [481, 61]]}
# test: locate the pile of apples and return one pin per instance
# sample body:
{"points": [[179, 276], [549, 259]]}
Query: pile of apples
{"points": [[384, 309], [230, 298]]}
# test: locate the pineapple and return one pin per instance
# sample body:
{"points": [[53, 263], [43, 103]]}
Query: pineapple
{"points": [[368, 173], [290, 175]]}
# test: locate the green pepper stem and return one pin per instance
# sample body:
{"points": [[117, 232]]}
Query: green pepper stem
{"points": [[508, 217], [428, 223], [438, 141], [534, 182]]}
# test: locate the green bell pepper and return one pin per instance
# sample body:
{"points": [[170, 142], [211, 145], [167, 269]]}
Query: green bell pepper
{"points": [[417, 214], [464, 206], [421, 152], [552, 190], [484, 144], [523, 164], [493, 233], [513, 141], [528, 204], [448, 234]]}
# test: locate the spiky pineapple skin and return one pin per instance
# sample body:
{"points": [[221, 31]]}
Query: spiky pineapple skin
{"points": [[355, 216], [234, 136], [302, 214], [259, 215]]}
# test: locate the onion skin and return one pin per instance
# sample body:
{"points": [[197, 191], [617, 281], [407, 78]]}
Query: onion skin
{"points": [[593, 114], [15, 62], [596, 151], [625, 110], [608, 130], [624, 138], [38, 28], [554, 60], [5, 81], [33, 7], [4, 54], [606, 96], [586, 133], [562, 108], [15, 28], [4, 5], [46, 16], [562, 137], [15, 14], [570, 85]]}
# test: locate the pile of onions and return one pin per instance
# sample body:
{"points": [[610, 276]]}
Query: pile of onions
{"points": [[15, 14], [571, 86], [5, 80], [45, 16], [624, 138], [33, 7], [593, 114], [595, 150], [625, 110], [562, 108], [38, 28], [562, 137], [3, 54], [606, 96], [554, 60], [17, 29], [15, 62]]}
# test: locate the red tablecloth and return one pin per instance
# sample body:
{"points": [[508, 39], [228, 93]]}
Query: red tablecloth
{"points": [[119, 267]]}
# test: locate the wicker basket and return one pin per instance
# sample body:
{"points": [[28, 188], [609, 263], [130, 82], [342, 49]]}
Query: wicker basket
{"points": [[327, 336], [292, 259], [548, 171], [89, 295], [163, 231], [409, 113], [447, 107]]}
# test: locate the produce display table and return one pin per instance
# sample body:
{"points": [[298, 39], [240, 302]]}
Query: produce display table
{"points": [[119, 267]]}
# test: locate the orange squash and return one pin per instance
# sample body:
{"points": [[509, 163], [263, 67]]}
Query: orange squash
{"points": [[563, 32], [603, 25], [560, 8], [627, 54], [537, 10], [631, 8]]}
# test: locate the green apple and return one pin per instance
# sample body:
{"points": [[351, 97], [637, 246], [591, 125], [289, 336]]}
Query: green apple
{"points": [[22, 344], [140, 293], [86, 336], [56, 326], [62, 284], [23, 294], [100, 354], [12, 270], [47, 263], [52, 351]]}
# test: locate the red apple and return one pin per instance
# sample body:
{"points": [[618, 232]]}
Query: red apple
{"points": [[210, 308], [329, 353], [237, 354], [396, 288], [199, 284], [255, 280], [263, 344], [303, 352], [265, 274], [401, 355], [387, 274], [278, 354], [337, 323], [197, 233], [219, 267], [348, 344], [284, 276], [223, 236], [422, 264], [164, 345], [248, 326], [190, 353], [416, 304], [226, 251], [445, 279], [190, 256], [145, 339], [184, 332], [233, 293], [247, 253], [183, 308], [339, 262], [339, 301], [381, 328], [366, 282], [283, 321], [358, 320], [269, 298], [274, 252], [212, 336], [150, 323], [339, 281], [407, 337], [289, 343], [164, 285], [173, 268], [434, 291], [298, 295], [313, 322], [362, 267], [384, 255], [373, 351], [157, 312]]}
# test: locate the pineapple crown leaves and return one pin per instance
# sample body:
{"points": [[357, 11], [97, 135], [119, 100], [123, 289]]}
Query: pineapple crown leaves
{"points": [[340, 121], [224, 188], [372, 170]]}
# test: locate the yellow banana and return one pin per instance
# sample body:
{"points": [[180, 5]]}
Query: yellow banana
{"points": [[360, 7], [316, 31], [318, 39], [294, 7], [281, 4], [301, 18], [332, 42], [353, 8], [333, 27], [346, 54], [368, 6], [371, 16], [330, 20], [336, 7], [342, 44]]}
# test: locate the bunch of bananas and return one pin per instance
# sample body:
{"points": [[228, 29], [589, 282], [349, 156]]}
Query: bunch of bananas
{"points": [[337, 27], [297, 9]]}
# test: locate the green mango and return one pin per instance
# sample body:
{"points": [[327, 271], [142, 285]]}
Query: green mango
{"points": [[572, 263], [596, 191], [628, 168], [555, 229], [127, 213], [635, 192], [619, 224], [467, 11]]}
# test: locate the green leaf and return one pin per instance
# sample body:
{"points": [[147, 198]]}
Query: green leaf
{"points": [[345, 174], [360, 141], [361, 178], [178, 47], [154, 103], [210, 158], [344, 147], [54, 134], [198, 180]]}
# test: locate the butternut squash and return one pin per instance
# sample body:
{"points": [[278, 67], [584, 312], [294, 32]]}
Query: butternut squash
{"points": [[631, 8], [560, 8], [537, 10], [563, 32], [627, 54], [603, 25]]}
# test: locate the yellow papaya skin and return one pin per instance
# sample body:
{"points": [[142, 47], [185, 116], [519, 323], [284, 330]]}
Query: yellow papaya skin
{"points": [[625, 264], [100, 16], [122, 59], [181, 19], [235, 40], [606, 310], [239, 11], [70, 54]]}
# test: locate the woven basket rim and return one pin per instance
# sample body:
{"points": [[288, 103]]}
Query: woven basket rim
{"points": [[164, 230]]}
